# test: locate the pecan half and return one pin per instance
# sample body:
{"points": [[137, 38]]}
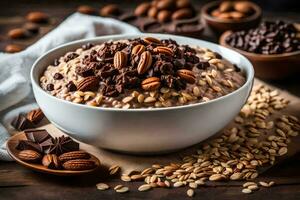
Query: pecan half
{"points": [[187, 75], [120, 60], [74, 155], [163, 50], [90, 83], [29, 155], [182, 13], [145, 62], [152, 83], [138, 49], [79, 164], [151, 40]]}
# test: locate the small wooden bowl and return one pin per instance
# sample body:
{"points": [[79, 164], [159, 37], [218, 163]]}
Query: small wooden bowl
{"points": [[221, 25], [271, 67], [13, 152]]}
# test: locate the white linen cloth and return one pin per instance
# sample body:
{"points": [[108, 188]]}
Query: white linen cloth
{"points": [[15, 89]]}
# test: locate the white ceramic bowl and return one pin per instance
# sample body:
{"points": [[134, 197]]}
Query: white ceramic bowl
{"points": [[142, 130]]}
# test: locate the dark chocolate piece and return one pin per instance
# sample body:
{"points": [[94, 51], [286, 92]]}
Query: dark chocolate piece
{"points": [[28, 145], [37, 136], [62, 145], [46, 145], [21, 123]]}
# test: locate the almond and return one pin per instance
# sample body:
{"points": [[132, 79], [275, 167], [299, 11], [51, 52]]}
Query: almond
{"points": [[90, 83], [183, 3], [142, 9], [224, 15], [151, 40], [165, 4], [236, 15], [164, 16], [152, 83], [187, 75], [13, 48], [215, 13], [37, 17], [72, 155], [243, 7], [51, 161], [120, 60], [225, 6], [163, 50], [138, 49], [108, 10], [29, 155], [79, 164], [145, 62], [183, 13], [86, 10], [152, 12], [17, 33], [35, 116]]}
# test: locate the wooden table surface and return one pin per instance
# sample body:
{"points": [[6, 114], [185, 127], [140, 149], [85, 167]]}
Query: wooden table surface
{"points": [[16, 182]]}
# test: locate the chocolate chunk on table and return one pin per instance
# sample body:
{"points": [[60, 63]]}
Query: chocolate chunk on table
{"points": [[21, 123]]}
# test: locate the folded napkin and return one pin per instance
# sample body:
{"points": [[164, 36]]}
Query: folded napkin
{"points": [[15, 68]]}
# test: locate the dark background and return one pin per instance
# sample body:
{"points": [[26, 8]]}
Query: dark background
{"points": [[10, 8]]}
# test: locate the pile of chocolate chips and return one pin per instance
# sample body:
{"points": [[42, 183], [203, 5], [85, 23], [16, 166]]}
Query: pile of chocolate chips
{"points": [[114, 81], [42, 142], [268, 38]]}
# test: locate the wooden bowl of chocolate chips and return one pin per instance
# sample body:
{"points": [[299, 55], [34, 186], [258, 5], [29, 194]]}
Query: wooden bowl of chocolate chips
{"points": [[273, 48], [221, 16]]}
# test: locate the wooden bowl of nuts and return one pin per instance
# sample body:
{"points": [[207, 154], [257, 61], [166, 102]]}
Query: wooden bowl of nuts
{"points": [[269, 61], [221, 16]]}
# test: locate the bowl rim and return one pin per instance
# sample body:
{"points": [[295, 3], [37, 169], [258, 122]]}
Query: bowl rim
{"points": [[222, 41], [35, 83], [209, 5]]}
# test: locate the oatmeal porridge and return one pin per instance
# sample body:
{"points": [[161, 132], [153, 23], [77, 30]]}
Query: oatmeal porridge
{"points": [[141, 73]]}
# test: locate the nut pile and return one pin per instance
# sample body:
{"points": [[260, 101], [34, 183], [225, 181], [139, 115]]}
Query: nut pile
{"points": [[30, 29], [249, 187], [140, 73], [233, 10], [260, 135], [166, 10], [269, 38], [53, 153]]}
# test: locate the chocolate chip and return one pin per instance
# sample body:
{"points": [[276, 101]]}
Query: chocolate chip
{"points": [[50, 87], [203, 65], [84, 71], [268, 38], [70, 56], [71, 86], [87, 46], [58, 76]]}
